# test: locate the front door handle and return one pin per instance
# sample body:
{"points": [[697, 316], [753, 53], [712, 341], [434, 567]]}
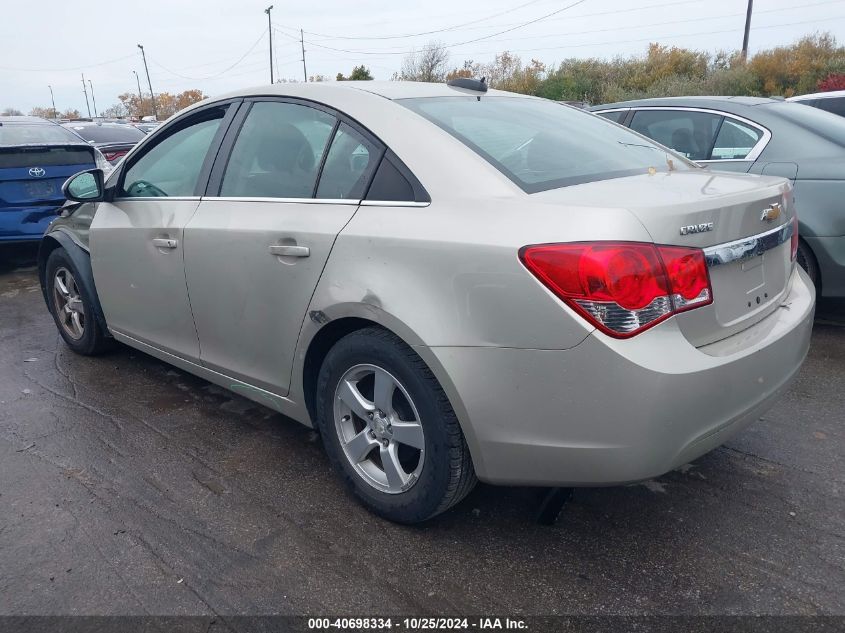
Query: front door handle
{"points": [[164, 242], [289, 250]]}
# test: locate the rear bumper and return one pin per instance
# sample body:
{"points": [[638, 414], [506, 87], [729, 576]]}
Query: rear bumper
{"points": [[22, 224], [614, 411]]}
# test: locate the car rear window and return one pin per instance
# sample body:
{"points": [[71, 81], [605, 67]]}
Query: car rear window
{"points": [[44, 156], [824, 124], [543, 145], [22, 133], [109, 133]]}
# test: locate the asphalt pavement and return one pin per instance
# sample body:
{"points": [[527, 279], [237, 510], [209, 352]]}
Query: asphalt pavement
{"points": [[130, 487]]}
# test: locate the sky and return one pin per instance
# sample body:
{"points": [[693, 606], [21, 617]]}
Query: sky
{"points": [[218, 46]]}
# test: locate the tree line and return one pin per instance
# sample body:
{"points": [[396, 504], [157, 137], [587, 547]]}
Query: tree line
{"points": [[814, 63]]}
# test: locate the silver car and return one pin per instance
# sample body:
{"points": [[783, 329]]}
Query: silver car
{"points": [[448, 283]]}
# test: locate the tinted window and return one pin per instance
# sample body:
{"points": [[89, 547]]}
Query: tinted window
{"points": [[172, 166], [735, 140], [278, 152], [349, 164], [824, 124], [616, 116], [540, 144], [108, 133], [22, 133], [390, 184], [688, 133], [836, 105]]}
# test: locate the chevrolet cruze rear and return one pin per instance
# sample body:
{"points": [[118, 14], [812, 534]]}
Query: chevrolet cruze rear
{"points": [[448, 283]]}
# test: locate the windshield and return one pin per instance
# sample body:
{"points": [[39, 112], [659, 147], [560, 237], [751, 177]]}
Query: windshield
{"points": [[541, 144], [108, 133], [23, 133]]}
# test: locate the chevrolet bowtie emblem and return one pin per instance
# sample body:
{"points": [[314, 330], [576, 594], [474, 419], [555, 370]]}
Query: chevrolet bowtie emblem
{"points": [[771, 213]]}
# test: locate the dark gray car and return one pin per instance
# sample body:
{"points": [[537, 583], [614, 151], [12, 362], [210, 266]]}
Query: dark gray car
{"points": [[762, 136]]}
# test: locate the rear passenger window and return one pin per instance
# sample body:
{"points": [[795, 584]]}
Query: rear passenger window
{"points": [[390, 184], [278, 152], [836, 105], [735, 140], [615, 116], [687, 132], [349, 165]]}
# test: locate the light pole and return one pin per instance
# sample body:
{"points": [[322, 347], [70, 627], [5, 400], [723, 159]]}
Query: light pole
{"points": [[90, 85], [149, 83], [747, 30], [85, 90], [270, 31], [140, 96], [53, 101]]}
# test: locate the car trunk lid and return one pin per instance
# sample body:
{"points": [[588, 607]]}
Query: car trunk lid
{"points": [[743, 224], [33, 175]]}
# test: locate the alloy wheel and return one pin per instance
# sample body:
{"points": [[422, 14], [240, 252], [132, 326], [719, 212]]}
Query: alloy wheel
{"points": [[68, 304], [379, 428]]}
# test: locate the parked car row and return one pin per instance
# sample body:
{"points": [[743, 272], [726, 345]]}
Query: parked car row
{"points": [[452, 283], [774, 137], [37, 156]]}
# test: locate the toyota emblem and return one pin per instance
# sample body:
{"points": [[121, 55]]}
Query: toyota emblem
{"points": [[36, 172]]}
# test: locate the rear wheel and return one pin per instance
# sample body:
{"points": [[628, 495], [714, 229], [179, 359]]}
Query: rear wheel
{"points": [[72, 306], [389, 429], [807, 261]]}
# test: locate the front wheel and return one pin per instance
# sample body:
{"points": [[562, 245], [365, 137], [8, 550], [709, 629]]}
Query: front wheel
{"points": [[72, 306], [389, 429]]}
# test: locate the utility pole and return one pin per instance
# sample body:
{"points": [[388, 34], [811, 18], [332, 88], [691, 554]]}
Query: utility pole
{"points": [[302, 43], [149, 83], [140, 96], [270, 31], [85, 90], [53, 101], [747, 30], [90, 85]]}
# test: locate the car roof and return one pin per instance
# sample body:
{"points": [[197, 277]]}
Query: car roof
{"points": [[690, 102], [818, 95], [387, 89], [28, 120]]}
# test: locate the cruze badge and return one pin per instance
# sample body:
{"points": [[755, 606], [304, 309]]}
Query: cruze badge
{"points": [[37, 172], [771, 213], [697, 228]]}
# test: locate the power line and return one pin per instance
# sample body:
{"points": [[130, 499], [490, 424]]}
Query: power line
{"points": [[659, 37], [225, 70], [68, 69], [443, 30], [472, 41]]}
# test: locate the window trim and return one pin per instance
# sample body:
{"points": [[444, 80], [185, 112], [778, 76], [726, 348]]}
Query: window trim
{"points": [[752, 156], [224, 154], [164, 132]]}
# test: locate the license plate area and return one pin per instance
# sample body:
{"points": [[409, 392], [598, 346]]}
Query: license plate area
{"points": [[40, 190]]}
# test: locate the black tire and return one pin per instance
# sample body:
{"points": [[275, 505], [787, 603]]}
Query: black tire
{"points": [[447, 474], [93, 340], [808, 262]]}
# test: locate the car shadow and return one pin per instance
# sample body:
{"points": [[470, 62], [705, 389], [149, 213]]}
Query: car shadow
{"points": [[17, 256]]}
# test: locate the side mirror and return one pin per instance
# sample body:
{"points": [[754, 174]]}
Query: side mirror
{"points": [[86, 186]]}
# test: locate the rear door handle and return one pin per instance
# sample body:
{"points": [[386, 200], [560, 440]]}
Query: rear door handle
{"points": [[164, 242], [289, 250]]}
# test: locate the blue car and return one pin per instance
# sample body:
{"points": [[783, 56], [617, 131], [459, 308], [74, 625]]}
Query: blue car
{"points": [[36, 157]]}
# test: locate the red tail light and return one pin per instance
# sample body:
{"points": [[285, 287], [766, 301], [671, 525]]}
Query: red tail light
{"points": [[794, 240], [112, 156], [622, 288]]}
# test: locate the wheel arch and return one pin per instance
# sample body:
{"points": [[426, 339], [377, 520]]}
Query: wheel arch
{"points": [[328, 331], [81, 260]]}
